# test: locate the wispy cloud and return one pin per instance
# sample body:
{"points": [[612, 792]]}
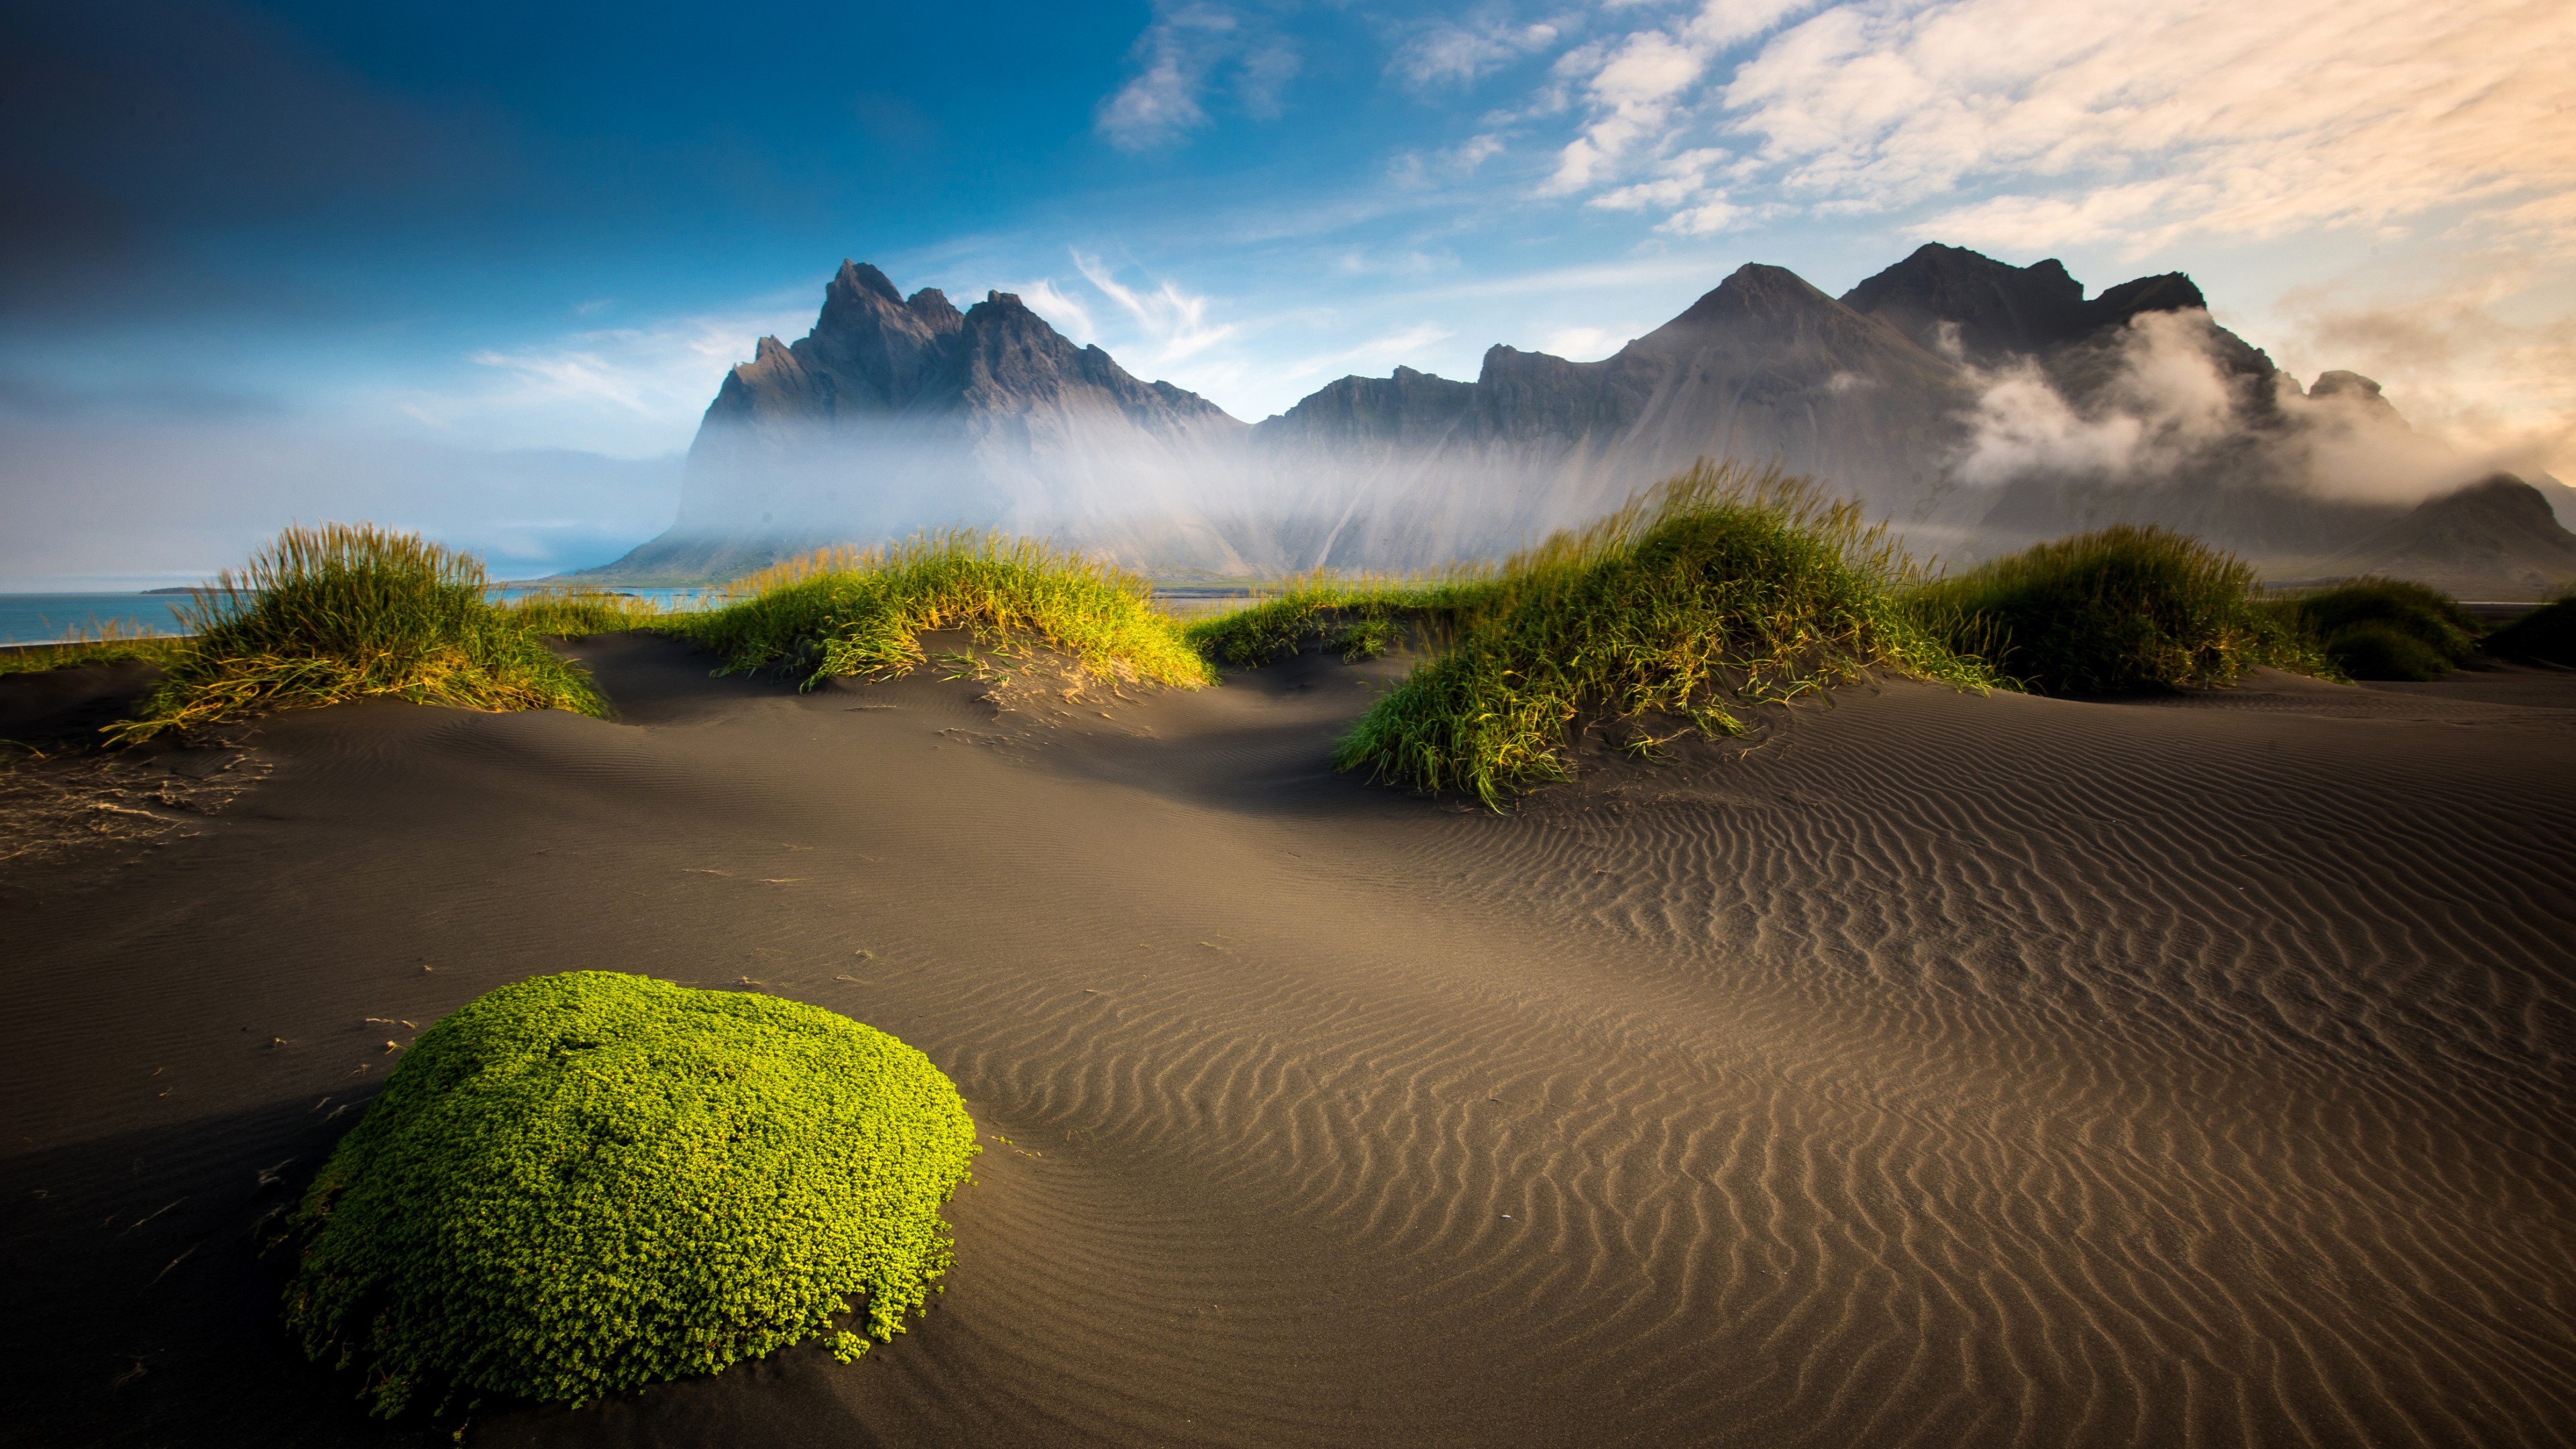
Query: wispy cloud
{"points": [[1066, 314], [1181, 56], [1454, 53], [1635, 87], [1172, 322], [2065, 125], [626, 391], [2463, 353]]}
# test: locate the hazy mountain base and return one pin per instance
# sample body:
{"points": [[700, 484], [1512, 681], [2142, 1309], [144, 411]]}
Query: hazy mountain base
{"points": [[1975, 406]]}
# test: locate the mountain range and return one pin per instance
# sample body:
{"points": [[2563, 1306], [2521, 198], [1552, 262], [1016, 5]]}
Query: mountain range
{"points": [[1975, 404]]}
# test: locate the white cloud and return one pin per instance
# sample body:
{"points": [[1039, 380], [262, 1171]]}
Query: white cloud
{"points": [[1177, 61], [1173, 322], [1458, 53], [2054, 124], [1062, 312], [2147, 123], [1584, 344], [2463, 352], [1637, 87], [1414, 170], [2166, 401]]}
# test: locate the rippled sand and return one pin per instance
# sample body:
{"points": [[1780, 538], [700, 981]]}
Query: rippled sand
{"points": [[1944, 1070]]}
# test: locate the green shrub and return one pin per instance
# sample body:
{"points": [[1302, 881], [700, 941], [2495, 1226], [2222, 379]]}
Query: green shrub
{"points": [[2546, 634], [845, 613], [2361, 624], [2126, 608], [591, 1181], [346, 612], [1719, 588]]}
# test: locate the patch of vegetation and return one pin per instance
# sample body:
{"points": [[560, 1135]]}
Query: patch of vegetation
{"points": [[571, 613], [591, 1181], [352, 611], [2546, 634], [2125, 608], [2376, 628], [112, 643], [841, 612], [1718, 589], [1355, 618]]}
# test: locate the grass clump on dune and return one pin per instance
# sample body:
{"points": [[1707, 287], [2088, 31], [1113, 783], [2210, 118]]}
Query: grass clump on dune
{"points": [[842, 612], [2546, 634], [1720, 588], [352, 611], [571, 613], [1355, 618], [2375, 628], [592, 1181], [2125, 608]]}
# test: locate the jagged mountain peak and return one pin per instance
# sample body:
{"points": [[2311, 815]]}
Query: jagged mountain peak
{"points": [[1753, 289], [1950, 298], [875, 354]]}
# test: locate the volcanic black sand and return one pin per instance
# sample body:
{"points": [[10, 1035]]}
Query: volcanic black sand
{"points": [[1945, 1070]]}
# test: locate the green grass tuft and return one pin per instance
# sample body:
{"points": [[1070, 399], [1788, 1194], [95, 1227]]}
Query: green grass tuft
{"points": [[842, 612], [592, 1181], [2125, 608], [571, 613], [343, 612], [1720, 588], [2377, 628], [1356, 618]]}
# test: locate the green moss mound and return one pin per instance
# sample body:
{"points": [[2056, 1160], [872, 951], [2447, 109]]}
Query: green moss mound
{"points": [[845, 613], [2546, 634], [1719, 589], [587, 1182], [2126, 608], [2389, 629], [352, 611]]}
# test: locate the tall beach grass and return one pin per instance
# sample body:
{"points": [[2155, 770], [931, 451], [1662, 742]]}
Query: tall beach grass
{"points": [[1719, 589], [850, 612], [2376, 628], [353, 611], [1357, 618], [2121, 609]]}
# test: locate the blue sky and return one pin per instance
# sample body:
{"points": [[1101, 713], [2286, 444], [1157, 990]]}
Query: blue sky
{"points": [[478, 267]]}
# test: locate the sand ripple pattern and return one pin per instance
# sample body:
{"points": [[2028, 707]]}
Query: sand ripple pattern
{"points": [[1943, 1071]]}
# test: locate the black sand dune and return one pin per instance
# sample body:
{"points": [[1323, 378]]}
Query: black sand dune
{"points": [[1946, 1070]]}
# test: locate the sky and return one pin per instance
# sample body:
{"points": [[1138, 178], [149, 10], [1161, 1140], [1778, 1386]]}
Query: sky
{"points": [[478, 268]]}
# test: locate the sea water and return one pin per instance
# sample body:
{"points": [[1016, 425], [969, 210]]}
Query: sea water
{"points": [[45, 618]]}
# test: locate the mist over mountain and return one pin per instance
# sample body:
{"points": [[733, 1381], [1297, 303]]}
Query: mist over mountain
{"points": [[1976, 405]]}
